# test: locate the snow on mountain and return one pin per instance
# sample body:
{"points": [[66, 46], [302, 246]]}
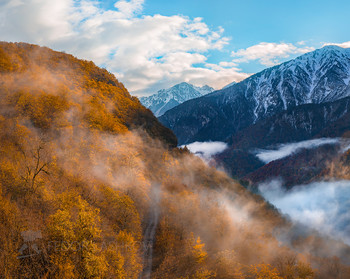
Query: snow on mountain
{"points": [[204, 90], [167, 99], [229, 85], [317, 77]]}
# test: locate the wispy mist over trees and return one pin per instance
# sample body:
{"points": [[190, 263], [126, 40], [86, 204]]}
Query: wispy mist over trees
{"points": [[81, 164]]}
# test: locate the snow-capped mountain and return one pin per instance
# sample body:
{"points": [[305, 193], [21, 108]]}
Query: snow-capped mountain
{"points": [[317, 77], [313, 78], [166, 99]]}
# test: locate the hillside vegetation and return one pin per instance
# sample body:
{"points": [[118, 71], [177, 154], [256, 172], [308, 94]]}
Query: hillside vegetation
{"points": [[89, 182], [42, 84]]}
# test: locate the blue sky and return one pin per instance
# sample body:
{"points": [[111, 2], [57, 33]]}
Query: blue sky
{"points": [[249, 22], [252, 21], [154, 44]]}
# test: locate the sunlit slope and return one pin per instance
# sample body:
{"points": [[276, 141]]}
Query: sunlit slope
{"points": [[88, 183], [53, 88]]}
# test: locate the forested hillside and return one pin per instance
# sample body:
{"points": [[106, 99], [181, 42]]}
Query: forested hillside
{"points": [[42, 84], [92, 188]]}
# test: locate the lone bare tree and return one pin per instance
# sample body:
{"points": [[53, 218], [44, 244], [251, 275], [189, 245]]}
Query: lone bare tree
{"points": [[36, 165]]}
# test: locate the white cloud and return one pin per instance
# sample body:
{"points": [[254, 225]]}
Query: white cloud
{"points": [[323, 206], [129, 8], [206, 150], [268, 54], [284, 150], [346, 148], [344, 45], [146, 53]]}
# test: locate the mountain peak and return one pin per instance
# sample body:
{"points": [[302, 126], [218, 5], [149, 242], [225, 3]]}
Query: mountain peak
{"points": [[326, 53], [331, 47], [183, 84], [322, 75], [229, 85], [317, 77], [166, 99]]}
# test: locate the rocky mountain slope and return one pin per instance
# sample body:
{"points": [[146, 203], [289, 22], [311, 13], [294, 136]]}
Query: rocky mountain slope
{"points": [[305, 122], [167, 99], [313, 78], [296, 124]]}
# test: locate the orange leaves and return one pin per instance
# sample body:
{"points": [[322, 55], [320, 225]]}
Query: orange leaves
{"points": [[9, 236], [41, 109], [120, 209], [72, 231], [5, 62], [95, 94], [264, 271], [100, 118], [198, 251]]}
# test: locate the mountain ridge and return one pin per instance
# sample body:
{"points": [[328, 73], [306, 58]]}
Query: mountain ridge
{"points": [[166, 99], [316, 77], [108, 106]]}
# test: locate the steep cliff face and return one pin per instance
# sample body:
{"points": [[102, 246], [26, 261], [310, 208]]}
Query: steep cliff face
{"points": [[314, 78]]}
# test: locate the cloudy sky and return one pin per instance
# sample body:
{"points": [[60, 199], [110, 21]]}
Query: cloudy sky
{"points": [[154, 44]]}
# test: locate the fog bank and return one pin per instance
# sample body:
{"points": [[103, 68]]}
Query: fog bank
{"points": [[206, 150], [324, 206], [284, 150]]}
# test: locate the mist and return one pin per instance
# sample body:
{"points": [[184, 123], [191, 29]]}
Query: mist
{"points": [[285, 150], [169, 205], [206, 150], [324, 206], [346, 148]]}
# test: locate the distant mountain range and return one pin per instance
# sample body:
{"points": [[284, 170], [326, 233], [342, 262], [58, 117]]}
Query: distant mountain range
{"points": [[303, 99], [167, 99], [318, 77]]}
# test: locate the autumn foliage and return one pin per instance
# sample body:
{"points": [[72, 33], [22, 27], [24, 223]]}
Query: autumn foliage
{"points": [[85, 170]]}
